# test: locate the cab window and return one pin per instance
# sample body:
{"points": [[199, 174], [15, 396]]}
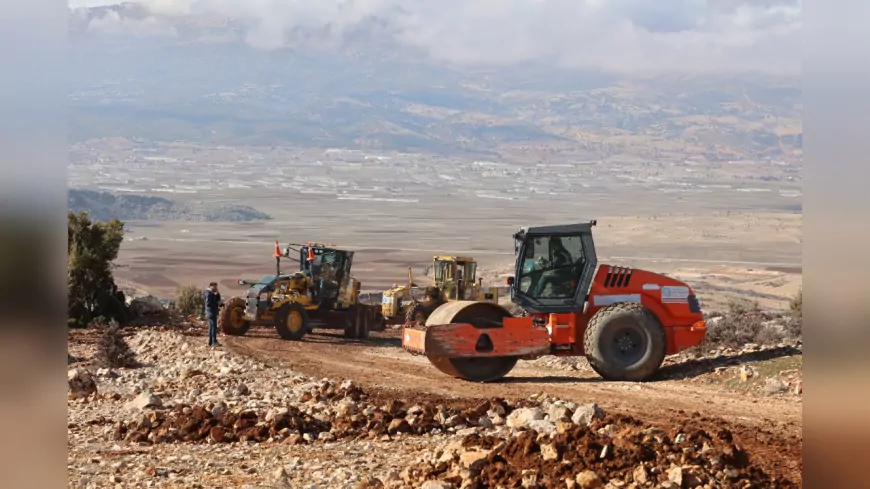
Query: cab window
{"points": [[552, 266]]}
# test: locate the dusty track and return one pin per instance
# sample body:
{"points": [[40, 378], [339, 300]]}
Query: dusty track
{"points": [[770, 428]]}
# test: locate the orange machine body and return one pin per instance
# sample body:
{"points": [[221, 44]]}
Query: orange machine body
{"points": [[670, 300]]}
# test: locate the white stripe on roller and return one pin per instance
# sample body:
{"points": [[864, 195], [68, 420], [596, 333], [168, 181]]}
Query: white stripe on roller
{"points": [[606, 300]]}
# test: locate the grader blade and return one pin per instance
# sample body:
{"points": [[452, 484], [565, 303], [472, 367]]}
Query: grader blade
{"points": [[326, 319]]}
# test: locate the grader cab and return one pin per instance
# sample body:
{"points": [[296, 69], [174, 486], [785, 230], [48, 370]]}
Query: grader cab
{"points": [[322, 293]]}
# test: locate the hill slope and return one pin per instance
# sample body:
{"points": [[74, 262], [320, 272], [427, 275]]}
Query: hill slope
{"points": [[104, 206]]}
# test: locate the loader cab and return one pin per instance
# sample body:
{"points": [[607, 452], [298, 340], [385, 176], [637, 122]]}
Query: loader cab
{"points": [[329, 270], [554, 267]]}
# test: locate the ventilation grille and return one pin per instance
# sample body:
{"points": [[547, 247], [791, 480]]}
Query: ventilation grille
{"points": [[617, 277]]}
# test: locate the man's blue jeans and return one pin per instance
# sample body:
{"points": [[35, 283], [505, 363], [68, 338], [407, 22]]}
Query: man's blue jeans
{"points": [[212, 329]]}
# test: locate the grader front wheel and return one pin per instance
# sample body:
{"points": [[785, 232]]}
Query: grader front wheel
{"points": [[291, 321], [232, 320]]}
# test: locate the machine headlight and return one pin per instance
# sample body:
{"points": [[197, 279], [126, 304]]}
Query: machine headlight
{"points": [[264, 297]]}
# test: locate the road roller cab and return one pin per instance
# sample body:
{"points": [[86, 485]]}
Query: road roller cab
{"points": [[623, 320]]}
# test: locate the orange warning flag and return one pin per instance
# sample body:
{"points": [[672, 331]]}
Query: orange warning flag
{"points": [[277, 251]]}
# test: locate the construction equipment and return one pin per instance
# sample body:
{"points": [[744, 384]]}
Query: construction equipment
{"points": [[623, 320], [321, 294], [454, 279], [396, 300]]}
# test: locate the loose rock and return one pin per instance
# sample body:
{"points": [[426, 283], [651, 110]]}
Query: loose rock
{"points": [[588, 480], [145, 399], [775, 386], [437, 485], [473, 459], [520, 418], [675, 476], [80, 383], [585, 414]]}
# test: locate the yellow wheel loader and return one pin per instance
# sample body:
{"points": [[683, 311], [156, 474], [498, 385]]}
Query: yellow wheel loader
{"points": [[455, 278]]}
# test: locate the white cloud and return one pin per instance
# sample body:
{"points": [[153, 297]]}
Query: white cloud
{"points": [[114, 23], [616, 35]]}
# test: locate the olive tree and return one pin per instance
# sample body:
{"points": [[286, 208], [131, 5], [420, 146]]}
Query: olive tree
{"points": [[92, 247]]}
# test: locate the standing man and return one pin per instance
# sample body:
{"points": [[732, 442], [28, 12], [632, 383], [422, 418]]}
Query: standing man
{"points": [[212, 305]]}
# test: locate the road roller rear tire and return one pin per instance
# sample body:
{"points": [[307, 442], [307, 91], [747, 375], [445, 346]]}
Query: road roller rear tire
{"points": [[625, 342]]}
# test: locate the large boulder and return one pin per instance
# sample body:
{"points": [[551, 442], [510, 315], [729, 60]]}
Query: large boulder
{"points": [[144, 400], [146, 306], [80, 383], [521, 418], [586, 413]]}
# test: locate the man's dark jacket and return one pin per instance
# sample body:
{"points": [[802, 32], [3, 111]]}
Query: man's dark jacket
{"points": [[212, 302]]}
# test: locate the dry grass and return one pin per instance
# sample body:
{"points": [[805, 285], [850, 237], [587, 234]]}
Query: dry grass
{"points": [[745, 323]]}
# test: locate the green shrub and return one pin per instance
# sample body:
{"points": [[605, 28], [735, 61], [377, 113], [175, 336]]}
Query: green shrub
{"points": [[795, 323], [745, 322], [92, 248], [190, 301], [739, 307], [736, 330], [797, 304]]}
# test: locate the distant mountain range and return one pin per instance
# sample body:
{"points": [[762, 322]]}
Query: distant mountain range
{"points": [[195, 78], [104, 206]]}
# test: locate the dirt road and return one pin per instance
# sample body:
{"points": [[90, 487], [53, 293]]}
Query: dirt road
{"points": [[770, 427]]}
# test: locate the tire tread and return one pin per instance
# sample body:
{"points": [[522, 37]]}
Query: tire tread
{"points": [[281, 319], [224, 318], [646, 318]]}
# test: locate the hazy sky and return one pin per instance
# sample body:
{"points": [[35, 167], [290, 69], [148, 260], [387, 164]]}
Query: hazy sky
{"points": [[615, 35]]}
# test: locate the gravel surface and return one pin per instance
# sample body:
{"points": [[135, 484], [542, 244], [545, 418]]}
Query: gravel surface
{"points": [[194, 416]]}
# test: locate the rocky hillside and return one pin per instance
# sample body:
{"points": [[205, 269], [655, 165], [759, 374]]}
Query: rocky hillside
{"points": [[103, 206]]}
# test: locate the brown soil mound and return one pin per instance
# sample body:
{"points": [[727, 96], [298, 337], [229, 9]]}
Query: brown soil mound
{"points": [[616, 450], [197, 423]]}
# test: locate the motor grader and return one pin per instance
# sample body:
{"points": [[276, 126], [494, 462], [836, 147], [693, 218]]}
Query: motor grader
{"points": [[624, 320], [454, 279], [321, 294]]}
